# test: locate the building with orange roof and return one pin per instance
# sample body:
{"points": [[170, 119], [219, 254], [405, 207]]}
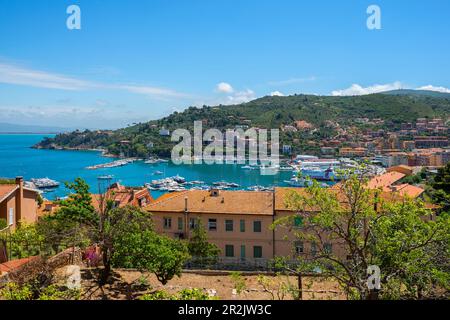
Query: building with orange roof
{"points": [[406, 190], [385, 180], [18, 203], [353, 152], [13, 265], [238, 222], [122, 196], [406, 170]]}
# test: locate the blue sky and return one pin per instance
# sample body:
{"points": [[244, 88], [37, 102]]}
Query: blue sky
{"points": [[137, 60]]}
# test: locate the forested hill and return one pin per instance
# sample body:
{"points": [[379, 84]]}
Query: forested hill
{"points": [[267, 112]]}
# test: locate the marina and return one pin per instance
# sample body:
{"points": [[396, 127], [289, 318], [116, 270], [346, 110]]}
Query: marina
{"points": [[160, 176], [114, 164]]}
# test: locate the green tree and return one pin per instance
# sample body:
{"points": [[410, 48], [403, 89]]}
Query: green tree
{"points": [[3, 224], [441, 188], [165, 257], [398, 237], [118, 236], [148, 251], [198, 245], [73, 224], [78, 206], [442, 179], [25, 241]]}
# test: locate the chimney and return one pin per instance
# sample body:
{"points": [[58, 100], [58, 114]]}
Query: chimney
{"points": [[214, 192], [19, 199]]}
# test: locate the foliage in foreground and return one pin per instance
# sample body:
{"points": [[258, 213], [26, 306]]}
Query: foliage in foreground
{"points": [[185, 294], [125, 235], [408, 243], [13, 291], [148, 251]]}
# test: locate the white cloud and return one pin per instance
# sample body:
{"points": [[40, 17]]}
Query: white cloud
{"points": [[358, 90], [12, 74], [434, 88], [153, 91], [233, 96], [242, 97], [277, 94], [68, 116], [224, 87]]}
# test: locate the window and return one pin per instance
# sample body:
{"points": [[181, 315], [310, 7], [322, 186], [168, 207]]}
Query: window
{"points": [[167, 223], [328, 248], [212, 224], [299, 247], [229, 251], [11, 216], [256, 226], [180, 224], [229, 225], [242, 225], [257, 252], [193, 223], [242, 252], [298, 222]]}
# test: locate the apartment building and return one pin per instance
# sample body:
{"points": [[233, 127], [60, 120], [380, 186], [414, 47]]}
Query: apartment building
{"points": [[406, 170], [434, 157], [286, 243], [431, 142], [353, 152], [240, 222], [397, 159], [18, 203]]}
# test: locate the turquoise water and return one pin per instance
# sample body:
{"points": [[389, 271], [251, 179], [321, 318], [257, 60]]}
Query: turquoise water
{"points": [[18, 159]]}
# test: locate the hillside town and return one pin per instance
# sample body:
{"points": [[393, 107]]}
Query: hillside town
{"points": [[240, 224], [224, 159], [424, 143]]}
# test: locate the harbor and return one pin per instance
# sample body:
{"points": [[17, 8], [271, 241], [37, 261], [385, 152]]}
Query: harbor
{"points": [[65, 166], [113, 164]]}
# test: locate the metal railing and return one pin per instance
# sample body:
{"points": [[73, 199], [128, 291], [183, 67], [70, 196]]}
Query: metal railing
{"points": [[236, 264]]}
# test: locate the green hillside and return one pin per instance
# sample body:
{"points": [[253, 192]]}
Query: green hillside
{"points": [[267, 112]]}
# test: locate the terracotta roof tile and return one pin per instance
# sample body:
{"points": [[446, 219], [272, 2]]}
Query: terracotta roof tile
{"points": [[406, 190], [226, 202], [385, 180], [14, 264], [5, 189]]}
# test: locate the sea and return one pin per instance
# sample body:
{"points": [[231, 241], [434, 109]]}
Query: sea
{"points": [[17, 158]]}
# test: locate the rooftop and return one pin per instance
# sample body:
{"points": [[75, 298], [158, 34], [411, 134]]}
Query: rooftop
{"points": [[6, 189], [406, 190], [14, 264], [225, 202], [385, 180]]}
